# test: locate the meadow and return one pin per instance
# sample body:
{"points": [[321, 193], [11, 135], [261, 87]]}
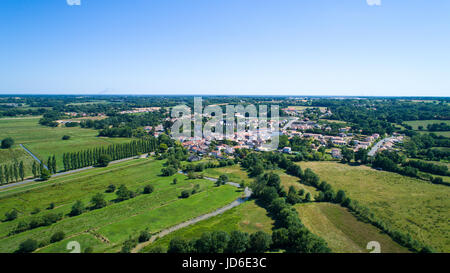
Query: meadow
{"points": [[411, 205], [9, 156], [118, 220], [416, 123], [45, 141], [342, 231], [247, 217]]}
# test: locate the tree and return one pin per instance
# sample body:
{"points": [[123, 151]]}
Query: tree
{"points": [[239, 242], [45, 174], [362, 156], [280, 238], [260, 242], [2, 177], [185, 194], [340, 197], [77, 208], [34, 169], [7, 143], [144, 236], [169, 171], [178, 245], [148, 189], [347, 155], [98, 201], [103, 160], [223, 179], [308, 197], [21, 171], [111, 188], [28, 246], [123, 193], [57, 236], [174, 181], [11, 215]]}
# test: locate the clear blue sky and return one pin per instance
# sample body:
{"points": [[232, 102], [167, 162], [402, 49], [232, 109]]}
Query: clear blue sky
{"points": [[298, 47]]}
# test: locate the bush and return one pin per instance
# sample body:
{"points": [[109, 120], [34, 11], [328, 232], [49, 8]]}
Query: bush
{"points": [[28, 246], [11, 215], [123, 193], [103, 160], [45, 175], [7, 143], [98, 201], [57, 236], [65, 137], [148, 189], [144, 236], [77, 208], [185, 194], [111, 188], [88, 249], [35, 211], [51, 206]]}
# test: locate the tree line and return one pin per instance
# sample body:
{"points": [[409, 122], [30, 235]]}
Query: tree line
{"points": [[90, 157]]}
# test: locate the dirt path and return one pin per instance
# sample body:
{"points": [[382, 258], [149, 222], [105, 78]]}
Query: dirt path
{"points": [[164, 232]]}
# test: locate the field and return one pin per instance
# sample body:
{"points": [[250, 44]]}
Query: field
{"points": [[419, 208], [235, 173], [45, 141], [416, 123], [118, 220], [289, 180], [342, 231], [9, 156], [248, 217]]}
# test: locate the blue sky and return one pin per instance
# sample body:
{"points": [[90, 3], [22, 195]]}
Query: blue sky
{"points": [[255, 47]]}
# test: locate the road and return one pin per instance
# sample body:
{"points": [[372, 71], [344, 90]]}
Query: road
{"points": [[35, 157], [285, 127], [377, 146], [61, 173], [164, 232]]}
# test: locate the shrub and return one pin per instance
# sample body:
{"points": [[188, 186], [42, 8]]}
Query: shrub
{"points": [[98, 201], [45, 175], [35, 211], [144, 236], [88, 249], [51, 206], [185, 194], [57, 236], [7, 143], [77, 208], [11, 215], [103, 160], [111, 188], [28, 246], [148, 189], [65, 137]]}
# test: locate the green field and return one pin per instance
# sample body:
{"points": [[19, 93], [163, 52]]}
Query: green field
{"points": [[416, 123], [342, 231], [413, 206], [118, 220], [235, 173], [9, 156], [289, 180], [247, 217], [46, 141]]}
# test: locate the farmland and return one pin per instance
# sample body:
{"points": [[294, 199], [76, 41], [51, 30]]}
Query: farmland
{"points": [[248, 217], [118, 220], [342, 231], [416, 123], [417, 207], [46, 141]]}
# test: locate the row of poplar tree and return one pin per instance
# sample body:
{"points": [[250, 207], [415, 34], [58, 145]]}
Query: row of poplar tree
{"points": [[89, 157], [12, 172]]}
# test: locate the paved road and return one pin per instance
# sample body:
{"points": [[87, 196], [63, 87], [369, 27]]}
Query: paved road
{"points": [[61, 173], [285, 127], [35, 157], [164, 232], [377, 146]]}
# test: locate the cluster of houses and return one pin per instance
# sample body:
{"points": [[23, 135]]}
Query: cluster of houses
{"points": [[141, 110]]}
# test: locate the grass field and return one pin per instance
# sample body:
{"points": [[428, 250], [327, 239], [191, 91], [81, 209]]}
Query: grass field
{"points": [[247, 217], [155, 211], [235, 173], [416, 123], [9, 156], [289, 180], [45, 141], [342, 231], [413, 206]]}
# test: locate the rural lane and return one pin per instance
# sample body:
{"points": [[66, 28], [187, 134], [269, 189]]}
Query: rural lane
{"points": [[378, 145]]}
